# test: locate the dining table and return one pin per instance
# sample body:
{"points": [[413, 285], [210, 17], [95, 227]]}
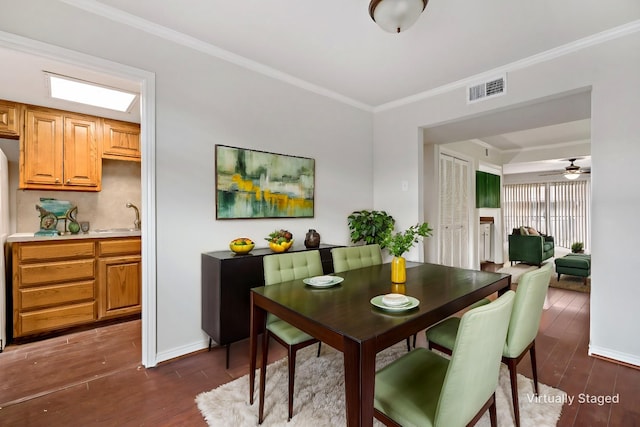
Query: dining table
{"points": [[349, 317]]}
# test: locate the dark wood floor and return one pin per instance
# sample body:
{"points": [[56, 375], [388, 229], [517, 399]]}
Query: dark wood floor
{"points": [[94, 377]]}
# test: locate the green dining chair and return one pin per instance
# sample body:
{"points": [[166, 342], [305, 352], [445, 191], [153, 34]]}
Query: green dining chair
{"points": [[424, 388], [282, 268], [352, 257], [523, 328]]}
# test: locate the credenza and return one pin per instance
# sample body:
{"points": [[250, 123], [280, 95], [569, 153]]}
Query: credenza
{"points": [[226, 281]]}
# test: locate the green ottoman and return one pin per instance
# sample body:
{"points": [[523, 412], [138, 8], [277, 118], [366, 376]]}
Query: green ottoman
{"points": [[574, 265]]}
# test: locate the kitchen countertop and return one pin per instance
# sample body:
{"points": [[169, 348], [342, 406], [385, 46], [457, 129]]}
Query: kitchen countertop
{"points": [[31, 237]]}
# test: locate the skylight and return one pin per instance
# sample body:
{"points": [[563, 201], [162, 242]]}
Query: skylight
{"points": [[74, 90]]}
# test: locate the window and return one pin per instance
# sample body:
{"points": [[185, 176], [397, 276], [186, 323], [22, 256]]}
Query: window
{"points": [[559, 209]]}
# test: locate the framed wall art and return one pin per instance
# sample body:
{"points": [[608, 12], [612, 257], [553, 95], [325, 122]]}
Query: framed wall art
{"points": [[258, 184]]}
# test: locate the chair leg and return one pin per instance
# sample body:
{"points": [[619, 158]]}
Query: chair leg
{"points": [[292, 376], [415, 339], [513, 374], [319, 348], [558, 276], [493, 414], [408, 344], [263, 374], [534, 368]]}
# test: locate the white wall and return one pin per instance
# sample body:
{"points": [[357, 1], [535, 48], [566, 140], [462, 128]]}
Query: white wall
{"points": [[202, 101], [612, 70]]}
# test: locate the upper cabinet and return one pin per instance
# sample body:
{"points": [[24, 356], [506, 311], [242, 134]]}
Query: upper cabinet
{"points": [[60, 151], [9, 119], [121, 140], [487, 190]]}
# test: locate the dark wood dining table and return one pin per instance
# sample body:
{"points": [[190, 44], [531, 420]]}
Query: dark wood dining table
{"points": [[343, 317]]}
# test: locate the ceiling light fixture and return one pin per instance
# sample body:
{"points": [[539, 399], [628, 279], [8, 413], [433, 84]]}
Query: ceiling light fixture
{"points": [[572, 175], [396, 15], [74, 90]]}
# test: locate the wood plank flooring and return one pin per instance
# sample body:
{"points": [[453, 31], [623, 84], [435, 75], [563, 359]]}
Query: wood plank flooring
{"points": [[93, 378]]}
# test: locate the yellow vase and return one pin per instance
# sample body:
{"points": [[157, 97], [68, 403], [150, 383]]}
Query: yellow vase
{"points": [[398, 288], [398, 270]]}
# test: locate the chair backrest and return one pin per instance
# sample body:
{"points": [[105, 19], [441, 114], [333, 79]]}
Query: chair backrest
{"points": [[527, 310], [290, 266], [472, 375], [353, 257]]}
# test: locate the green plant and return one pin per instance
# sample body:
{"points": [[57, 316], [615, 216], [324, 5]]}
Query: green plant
{"points": [[577, 247], [370, 226], [401, 242]]}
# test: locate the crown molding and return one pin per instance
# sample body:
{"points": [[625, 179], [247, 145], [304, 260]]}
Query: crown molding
{"points": [[157, 30], [575, 46], [122, 17]]}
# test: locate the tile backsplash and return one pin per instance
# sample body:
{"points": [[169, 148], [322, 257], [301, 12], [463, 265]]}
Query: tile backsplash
{"points": [[105, 209]]}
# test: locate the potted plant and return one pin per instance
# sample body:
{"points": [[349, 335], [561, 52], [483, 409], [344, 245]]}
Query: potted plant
{"points": [[370, 226], [399, 243], [577, 248]]}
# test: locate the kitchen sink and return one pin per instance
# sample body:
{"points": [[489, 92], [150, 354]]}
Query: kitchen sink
{"points": [[113, 230]]}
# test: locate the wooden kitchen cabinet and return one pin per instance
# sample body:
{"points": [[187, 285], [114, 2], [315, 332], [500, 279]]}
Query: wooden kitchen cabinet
{"points": [[9, 119], [53, 285], [66, 283], [121, 140], [119, 278], [60, 151]]}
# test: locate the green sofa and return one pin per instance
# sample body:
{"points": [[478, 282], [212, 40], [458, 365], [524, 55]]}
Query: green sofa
{"points": [[529, 249]]}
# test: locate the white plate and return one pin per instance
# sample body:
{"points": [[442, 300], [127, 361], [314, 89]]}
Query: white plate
{"points": [[323, 281], [377, 301]]}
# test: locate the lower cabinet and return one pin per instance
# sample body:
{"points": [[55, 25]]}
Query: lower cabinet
{"points": [[60, 284], [119, 286]]}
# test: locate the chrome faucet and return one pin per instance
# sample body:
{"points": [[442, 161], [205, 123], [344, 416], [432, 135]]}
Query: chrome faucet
{"points": [[136, 223]]}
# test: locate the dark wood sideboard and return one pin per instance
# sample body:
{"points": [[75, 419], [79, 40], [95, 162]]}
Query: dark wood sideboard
{"points": [[226, 281]]}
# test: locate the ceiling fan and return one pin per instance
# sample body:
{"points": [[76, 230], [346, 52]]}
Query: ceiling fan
{"points": [[572, 171]]}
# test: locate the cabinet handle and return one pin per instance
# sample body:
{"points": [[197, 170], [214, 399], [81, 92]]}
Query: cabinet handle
{"points": [[68, 181], [57, 180]]}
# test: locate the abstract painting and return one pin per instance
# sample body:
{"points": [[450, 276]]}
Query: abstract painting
{"points": [[257, 184]]}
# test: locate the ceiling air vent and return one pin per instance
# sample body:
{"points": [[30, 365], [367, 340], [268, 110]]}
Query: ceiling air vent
{"points": [[487, 89]]}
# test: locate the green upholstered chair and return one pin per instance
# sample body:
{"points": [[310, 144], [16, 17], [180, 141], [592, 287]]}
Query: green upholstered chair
{"points": [[523, 328], [353, 257], [423, 388], [282, 268]]}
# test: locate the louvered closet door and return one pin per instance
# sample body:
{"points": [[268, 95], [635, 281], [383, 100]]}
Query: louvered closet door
{"points": [[454, 212]]}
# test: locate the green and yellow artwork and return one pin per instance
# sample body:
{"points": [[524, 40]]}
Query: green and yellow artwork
{"points": [[257, 184]]}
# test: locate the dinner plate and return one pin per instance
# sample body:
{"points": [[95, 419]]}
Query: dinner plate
{"points": [[377, 301], [323, 281]]}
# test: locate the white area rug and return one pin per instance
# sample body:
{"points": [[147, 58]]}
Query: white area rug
{"points": [[517, 270], [319, 395]]}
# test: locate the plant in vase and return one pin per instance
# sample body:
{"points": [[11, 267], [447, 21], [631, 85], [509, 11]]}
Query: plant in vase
{"points": [[577, 248], [370, 226], [399, 243]]}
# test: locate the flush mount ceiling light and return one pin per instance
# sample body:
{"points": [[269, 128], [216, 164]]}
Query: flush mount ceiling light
{"points": [[396, 15], [83, 92]]}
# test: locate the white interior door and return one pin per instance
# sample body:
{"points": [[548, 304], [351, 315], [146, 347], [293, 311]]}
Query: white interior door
{"points": [[454, 212]]}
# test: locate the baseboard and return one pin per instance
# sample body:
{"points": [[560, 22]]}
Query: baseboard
{"points": [[630, 360], [182, 351]]}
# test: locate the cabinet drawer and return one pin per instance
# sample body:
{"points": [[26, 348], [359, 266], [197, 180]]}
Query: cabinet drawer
{"points": [[53, 251], [119, 247], [55, 295], [54, 318], [35, 274]]}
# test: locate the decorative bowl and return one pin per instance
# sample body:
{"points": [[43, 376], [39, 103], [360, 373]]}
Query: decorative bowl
{"points": [[241, 245], [280, 247]]}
